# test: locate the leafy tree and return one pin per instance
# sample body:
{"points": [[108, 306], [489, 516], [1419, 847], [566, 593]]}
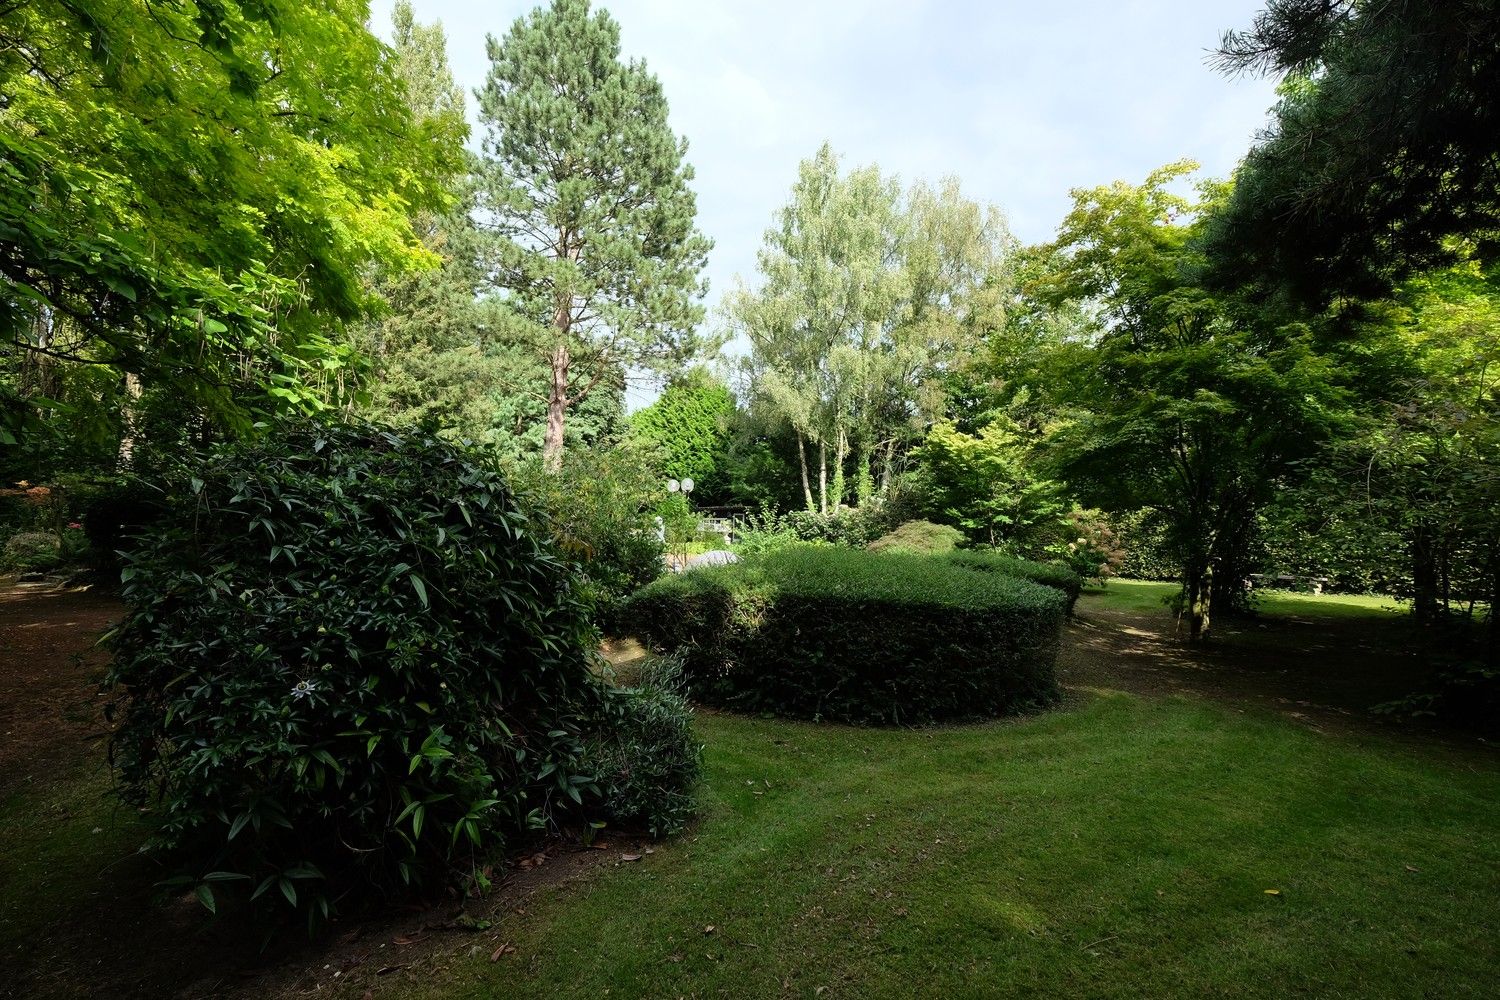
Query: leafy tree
{"points": [[688, 429], [983, 484], [188, 196], [868, 294], [1385, 143], [1196, 406], [584, 184]]}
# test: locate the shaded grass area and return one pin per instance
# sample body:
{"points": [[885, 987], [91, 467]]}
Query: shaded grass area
{"points": [[1122, 849]]}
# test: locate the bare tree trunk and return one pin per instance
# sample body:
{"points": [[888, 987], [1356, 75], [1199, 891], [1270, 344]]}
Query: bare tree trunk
{"points": [[888, 470], [1424, 575], [823, 475], [128, 415], [841, 452], [557, 409], [802, 461], [1197, 588]]}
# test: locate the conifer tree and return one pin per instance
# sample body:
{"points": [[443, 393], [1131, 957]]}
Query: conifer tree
{"points": [[584, 182]]}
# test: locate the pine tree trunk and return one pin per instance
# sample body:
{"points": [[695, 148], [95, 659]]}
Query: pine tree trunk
{"points": [[557, 409], [807, 492]]}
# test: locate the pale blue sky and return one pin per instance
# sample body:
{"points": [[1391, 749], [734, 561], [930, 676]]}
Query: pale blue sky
{"points": [[1020, 100]]}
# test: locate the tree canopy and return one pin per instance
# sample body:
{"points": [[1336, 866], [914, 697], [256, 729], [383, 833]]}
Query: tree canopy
{"points": [[192, 191]]}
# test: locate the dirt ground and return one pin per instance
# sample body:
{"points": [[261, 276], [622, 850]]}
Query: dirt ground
{"points": [[1324, 673]]}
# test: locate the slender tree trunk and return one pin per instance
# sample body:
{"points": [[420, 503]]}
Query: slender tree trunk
{"points": [[864, 481], [129, 414], [841, 452], [1424, 575], [1493, 653], [557, 409], [888, 467], [823, 475], [807, 493]]}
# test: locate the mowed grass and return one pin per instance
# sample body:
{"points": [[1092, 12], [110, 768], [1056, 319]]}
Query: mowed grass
{"points": [[1127, 847], [1148, 596], [1121, 846]]}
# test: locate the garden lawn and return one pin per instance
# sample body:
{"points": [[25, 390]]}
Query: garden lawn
{"points": [[1128, 847], [1150, 597]]}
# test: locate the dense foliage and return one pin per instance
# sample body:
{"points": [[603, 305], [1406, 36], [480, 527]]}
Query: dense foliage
{"points": [[349, 662], [835, 633], [686, 432], [644, 755], [600, 508], [189, 193], [1385, 146]]}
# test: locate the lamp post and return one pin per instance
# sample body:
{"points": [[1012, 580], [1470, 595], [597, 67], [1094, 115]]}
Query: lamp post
{"points": [[685, 486]]}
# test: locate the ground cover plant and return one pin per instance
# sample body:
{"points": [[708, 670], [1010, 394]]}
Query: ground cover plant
{"points": [[836, 633], [350, 661]]}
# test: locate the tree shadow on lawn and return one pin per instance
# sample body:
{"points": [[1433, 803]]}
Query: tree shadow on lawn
{"points": [[1324, 671]]}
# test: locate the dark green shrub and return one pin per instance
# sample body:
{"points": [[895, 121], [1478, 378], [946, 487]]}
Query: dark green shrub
{"points": [[1148, 550], [920, 537], [835, 633], [1047, 574], [349, 660], [643, 754], [853, 526]]}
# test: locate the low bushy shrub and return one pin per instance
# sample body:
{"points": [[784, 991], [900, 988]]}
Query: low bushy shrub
{"points": [[835, 633], [348, 661], [599, 508], [643, 755], [31, 550], [853, 526], [919, 537], [1052, 575]]}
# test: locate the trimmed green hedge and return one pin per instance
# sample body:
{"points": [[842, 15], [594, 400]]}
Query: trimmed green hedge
{"points": [[1047, 574], [842, 634]]}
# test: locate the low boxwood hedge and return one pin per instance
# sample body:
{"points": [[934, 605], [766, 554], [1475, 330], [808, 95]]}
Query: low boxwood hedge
{"points": [[857, 636], [1047, 574]]}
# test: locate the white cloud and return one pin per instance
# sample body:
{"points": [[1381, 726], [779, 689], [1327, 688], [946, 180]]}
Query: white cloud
{"points": [[1020, 100]]}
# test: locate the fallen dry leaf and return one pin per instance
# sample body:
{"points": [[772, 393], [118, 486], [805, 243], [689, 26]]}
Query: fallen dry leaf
{"points": [[709, 929], [630, 857], [504, 949], [1273, 892]]}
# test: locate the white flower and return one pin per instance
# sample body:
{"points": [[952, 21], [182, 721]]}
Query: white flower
{"points": [[303, 689]]}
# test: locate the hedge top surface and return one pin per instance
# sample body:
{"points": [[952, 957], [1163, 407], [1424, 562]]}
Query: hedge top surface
{"points": [[1046, 574], [867, 577]]}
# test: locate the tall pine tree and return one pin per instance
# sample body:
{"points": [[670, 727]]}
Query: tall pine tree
{"points": [[584, 182]]}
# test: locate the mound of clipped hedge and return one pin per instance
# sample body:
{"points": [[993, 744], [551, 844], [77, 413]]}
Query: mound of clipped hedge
{"points": [[1047, 574], [857, 636], [918, 536]]}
